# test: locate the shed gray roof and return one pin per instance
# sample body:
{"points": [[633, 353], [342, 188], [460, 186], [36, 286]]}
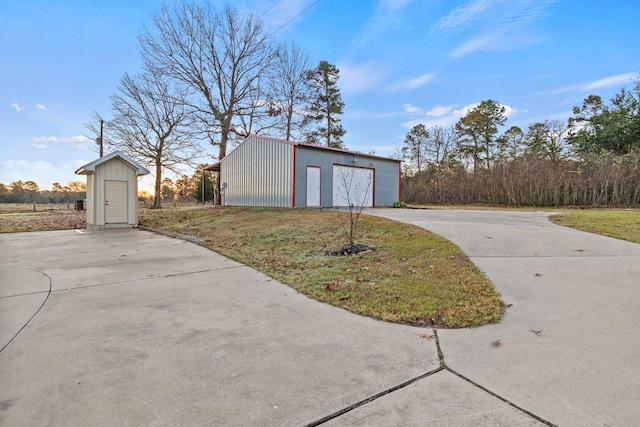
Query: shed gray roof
{"points": [[90, 168]]}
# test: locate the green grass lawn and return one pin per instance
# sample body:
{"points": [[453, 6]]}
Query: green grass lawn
{"points": [[411, 276], [621, 224]]}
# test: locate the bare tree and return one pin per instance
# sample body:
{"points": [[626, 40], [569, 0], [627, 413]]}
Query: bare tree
{"points": [[548, 138], [221, 56], [291, 90], [151, 126], [356, 197]]}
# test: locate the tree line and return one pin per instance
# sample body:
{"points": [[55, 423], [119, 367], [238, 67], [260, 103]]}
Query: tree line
{"points": [[213, 77], [592, 159], [29, 192]]}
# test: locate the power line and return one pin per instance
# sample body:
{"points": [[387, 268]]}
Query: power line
{"points": [[295, 17], [271, 7]]}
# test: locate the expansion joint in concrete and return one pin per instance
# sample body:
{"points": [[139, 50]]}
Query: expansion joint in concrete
{"points": [[443, 366], [34, 314]]}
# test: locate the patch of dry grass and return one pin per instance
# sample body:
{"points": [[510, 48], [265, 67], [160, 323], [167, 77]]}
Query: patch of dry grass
{"points": [[42, 221]]}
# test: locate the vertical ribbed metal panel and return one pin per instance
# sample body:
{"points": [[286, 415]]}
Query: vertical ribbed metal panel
{"points": [[386, 174], [258, 173]]}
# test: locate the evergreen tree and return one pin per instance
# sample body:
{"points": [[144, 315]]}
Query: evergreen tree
{"points": [[208, 186], [326, 105]]}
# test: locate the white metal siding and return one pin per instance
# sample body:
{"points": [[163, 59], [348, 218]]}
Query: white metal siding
{"points": [[352, 186], [259, 172]]}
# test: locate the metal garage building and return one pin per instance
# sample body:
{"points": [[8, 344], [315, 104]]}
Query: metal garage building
{"points": [[272, 172]]}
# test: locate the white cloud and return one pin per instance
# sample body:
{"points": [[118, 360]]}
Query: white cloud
{"points": [[411, 109], [463, 16], [388, 15], [620, 79], [45, 139], [439, 111], [17, 107], [78, 142], [41, 107], [616, 80], [495, 25], [360, 78], [39, 146], [487, 41], [413, 83], [446, 116], [25, 166]]}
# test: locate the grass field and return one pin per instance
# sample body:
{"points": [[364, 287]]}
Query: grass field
{"points": [[7, 208], [621, 224]]}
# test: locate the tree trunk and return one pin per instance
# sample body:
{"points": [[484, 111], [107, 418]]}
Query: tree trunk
{"points": [[157, 198]]}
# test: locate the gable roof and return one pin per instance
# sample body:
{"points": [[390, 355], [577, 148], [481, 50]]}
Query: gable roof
{"points": [[90, 168]]}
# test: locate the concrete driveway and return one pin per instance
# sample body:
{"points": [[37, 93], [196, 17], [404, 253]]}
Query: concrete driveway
{"points": [[131, 328], [570, 344]]}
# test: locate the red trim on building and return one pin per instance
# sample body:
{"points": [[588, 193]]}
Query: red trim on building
{"points": [[399, 181], [293, 180]]}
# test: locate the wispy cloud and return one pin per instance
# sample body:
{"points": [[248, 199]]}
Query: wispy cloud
{"points": [[388, 15], [25, 165], [78, 142], [463, 16], [495, 24], [41, 107], [359, 78], [17, 107], [38, 146], [620, 79], [412, 83], [615, 80], [45, 139]]}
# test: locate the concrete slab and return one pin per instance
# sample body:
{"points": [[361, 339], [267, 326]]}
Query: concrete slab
{"points": [[569, 344], [22, 293], [442, 399], [204, 341]]}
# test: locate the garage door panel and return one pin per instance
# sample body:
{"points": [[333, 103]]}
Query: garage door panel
{"points": [[352, 186]]}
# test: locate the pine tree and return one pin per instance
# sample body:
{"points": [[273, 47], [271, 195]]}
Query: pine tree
{"points": [[326, 106]]}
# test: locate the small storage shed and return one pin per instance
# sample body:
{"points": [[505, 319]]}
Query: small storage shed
{"points": [[264, 171], [112, 191]]}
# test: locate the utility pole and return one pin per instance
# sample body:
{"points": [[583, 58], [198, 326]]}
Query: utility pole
{"points": [[101, 123]]}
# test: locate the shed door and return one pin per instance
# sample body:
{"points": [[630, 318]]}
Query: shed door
{"points": [[313, 187], [115, 202], [352, 186]]}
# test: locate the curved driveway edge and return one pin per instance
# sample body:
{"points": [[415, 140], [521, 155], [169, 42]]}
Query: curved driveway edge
{"points": [[145, 330], [569, 344]]}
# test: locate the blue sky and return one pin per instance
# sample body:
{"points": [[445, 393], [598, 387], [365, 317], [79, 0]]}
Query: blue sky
{"points": [[402, 62]]}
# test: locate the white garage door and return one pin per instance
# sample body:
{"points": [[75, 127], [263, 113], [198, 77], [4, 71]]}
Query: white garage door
{"points": [[352, 186]]}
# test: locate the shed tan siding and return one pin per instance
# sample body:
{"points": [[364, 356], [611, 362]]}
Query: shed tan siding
{"points": [[259, 172], [115, 170]]}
